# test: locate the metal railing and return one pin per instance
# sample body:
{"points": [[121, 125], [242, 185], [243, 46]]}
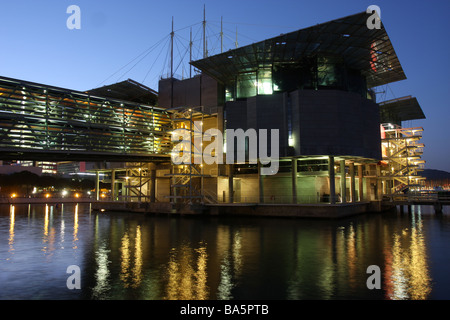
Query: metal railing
{"points": [[46, 120], [417, 197]]}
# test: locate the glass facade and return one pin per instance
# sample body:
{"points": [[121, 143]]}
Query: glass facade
{"points": [[318, 72], [246, 85]]}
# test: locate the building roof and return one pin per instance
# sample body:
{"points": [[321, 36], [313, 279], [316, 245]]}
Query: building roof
{"points": [[401, 109], [368, 50], [128, 90]]}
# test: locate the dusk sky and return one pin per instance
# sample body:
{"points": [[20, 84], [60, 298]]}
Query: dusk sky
{"points": [[130, 39]]}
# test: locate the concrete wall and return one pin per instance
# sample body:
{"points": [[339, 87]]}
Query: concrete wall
{"points": [[187, 92], [324, 122], [332, 122]]}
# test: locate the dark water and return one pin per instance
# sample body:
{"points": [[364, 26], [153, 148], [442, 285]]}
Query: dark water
{"points": [[132, 256]]}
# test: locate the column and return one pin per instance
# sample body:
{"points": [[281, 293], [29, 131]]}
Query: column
{"points": [[153, 185], [294, 180], [379, 194], [352, 182], [368, 185], [343, 182], [230, 183], [97, 185], [360, 182], [113, 185], [332, 182], [261, 184]]}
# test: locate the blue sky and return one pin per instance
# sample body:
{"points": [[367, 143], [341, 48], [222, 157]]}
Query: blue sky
{"points": [[129, 39]]}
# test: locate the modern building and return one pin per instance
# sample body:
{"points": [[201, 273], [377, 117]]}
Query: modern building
{"points": [[337, 145], [317, 86], [39, 167]]}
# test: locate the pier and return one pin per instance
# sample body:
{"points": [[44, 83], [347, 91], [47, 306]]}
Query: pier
{"points": [[436, 200]]}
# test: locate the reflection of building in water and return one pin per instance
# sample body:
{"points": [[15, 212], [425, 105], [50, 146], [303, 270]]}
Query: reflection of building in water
{"points": [[131, 269], [407, 271], [75, 228], [187, 273], [12, 222], [230, 249]]}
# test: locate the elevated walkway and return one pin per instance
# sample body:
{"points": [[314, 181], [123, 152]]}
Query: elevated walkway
{"points": [[41, 122]]}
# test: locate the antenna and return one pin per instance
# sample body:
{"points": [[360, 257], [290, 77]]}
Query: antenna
{"points": [[236, 43], [190, 55], [171, 66], [204, 31], [221, 34], [171, 51]]}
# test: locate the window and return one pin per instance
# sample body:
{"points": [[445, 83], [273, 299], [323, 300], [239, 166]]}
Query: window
{"points": [[265, 81], [246, 85], [327, 74], [230, 94]]}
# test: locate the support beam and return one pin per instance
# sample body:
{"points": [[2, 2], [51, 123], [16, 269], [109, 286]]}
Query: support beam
{"points": [[261, 184], [331, 177], [113, 185], [230, 183], [352, 182], [153, 185], [368, 185], [97, 186], [379, 194], [294, 180], [343, 182], [360, 182]]}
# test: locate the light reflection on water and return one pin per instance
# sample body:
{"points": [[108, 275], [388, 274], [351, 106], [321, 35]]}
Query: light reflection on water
{"points": [[128, 256]]}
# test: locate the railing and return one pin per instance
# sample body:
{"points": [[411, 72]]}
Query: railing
{"points": [[419, 197], [46, 120]]}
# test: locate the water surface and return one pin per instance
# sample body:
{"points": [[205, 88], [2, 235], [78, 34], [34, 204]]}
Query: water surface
{"points": [[134, 256]]}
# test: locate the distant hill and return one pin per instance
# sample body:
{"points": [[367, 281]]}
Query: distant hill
{"points": [[433, 174]]}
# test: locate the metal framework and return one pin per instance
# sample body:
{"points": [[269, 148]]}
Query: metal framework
{"points": [[187, 179], [44, 122], [369, 51], [402, 153]]}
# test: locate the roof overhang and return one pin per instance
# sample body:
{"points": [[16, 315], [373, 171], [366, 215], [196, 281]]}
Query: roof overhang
{"points": [[128, 90], [368, 50], [401, 109]]}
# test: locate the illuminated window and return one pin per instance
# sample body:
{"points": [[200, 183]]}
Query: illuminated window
{"points": [[230, 92], [326, 73], [265, 81]]}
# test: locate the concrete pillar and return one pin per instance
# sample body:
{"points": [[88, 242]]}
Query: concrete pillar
{"points": [[113, 185], [368, 185], [360, 182], [97, 186], [230, 183], [332, 182], [352, 182], [379, 194], [153, 185], [343, 182], [261, 184], [294, 180]]}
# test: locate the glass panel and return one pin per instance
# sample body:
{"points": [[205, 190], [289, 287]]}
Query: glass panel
{"points": [[246, 85], [326, 73], [265, 81], [230, 94], [285, 77]]}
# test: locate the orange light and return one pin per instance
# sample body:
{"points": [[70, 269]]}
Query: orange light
{"points": [[47, 195], [77, 195], [13, 195]]}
